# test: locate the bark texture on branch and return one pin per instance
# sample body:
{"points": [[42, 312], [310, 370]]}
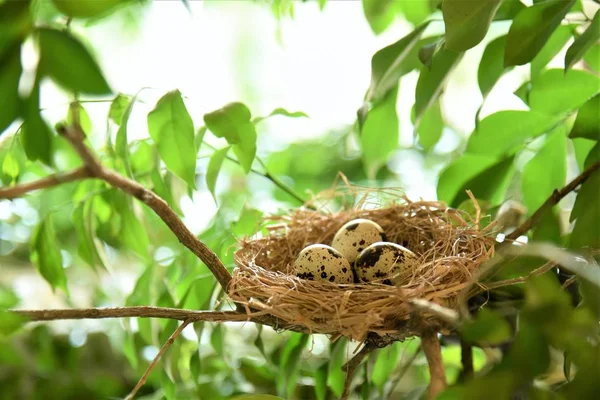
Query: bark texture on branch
{"points": [[433, 352], [19, 190]]}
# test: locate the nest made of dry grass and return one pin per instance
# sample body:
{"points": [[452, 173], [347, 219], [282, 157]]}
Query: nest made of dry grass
{"points": [[448, 243]]}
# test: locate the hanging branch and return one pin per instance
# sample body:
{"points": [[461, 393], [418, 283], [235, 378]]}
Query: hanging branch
{"points": [[162, 350], [75, 136], [554, 198], [351, 366], [433, 352], [19, 190]]}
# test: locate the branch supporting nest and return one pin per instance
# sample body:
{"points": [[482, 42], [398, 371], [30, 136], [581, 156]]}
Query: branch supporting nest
{"points": [[76, 138], [433, 352], [554, 199]]}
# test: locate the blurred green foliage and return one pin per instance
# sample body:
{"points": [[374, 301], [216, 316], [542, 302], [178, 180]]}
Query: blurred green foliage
{"points": [[537, 339]]}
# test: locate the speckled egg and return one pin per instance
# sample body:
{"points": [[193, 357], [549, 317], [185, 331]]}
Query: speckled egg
{"points": [[355, 236], [321, 262], [381, 262]]}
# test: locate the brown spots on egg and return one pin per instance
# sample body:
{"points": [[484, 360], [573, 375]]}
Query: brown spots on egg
{"points": [[321, 262], [382, 262], [355, 236]]}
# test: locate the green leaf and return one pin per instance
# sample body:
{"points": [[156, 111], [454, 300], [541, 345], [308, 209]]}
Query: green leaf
{"points": [[283, 112], [335, 374], [10, 166], [555, 43], [289, 363], [582, 148], [82, 219], [592, 57], [217, 339], [8, 298], [505, 131], [467, 21], [508, 10], [431, 82], [233, 123], [531, 29], [45, 254], [427, 52], [431, 127], [588, 120], [523, 92], [379, 13], [459, 172], [66, 60], [546, 171], [10, 323], [214, 167], [15, 24], [548, 229], [163, 189], [387, 359], [118, 108], [586, 231], [256, 397], [487, 328], [121, 140], [36, 136], [321, 382], [133, 233], [172, 129], [555, 92], [389, 64], [379, 136], [10, 73], [415, 11], [82, 117], [491, 66], [583, 42], [489, 185], [85, 8]]}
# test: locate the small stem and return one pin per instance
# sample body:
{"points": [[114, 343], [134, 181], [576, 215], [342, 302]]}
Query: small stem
{"points": [[466, 358], [554, 198], [433, 352], [351, 367], [162, 350]]}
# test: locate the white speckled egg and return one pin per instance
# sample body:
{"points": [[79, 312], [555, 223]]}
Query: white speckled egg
{"points": [[355, 236], [321, 262], [382, 262]]}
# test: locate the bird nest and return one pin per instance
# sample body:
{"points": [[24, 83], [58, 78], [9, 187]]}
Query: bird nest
{"points": [[448, 243]]}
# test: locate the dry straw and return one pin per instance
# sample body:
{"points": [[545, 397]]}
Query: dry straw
{"points": [[449, 245]]}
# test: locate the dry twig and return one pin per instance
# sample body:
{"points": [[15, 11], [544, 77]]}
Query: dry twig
{"points": [[162, 350], [433, 352]]}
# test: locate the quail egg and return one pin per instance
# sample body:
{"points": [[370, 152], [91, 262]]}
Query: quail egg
{"points": [[321, 262], [382, 262], [355, 236]]}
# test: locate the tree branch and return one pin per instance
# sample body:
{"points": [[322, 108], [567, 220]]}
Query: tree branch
{"points": [[162, 350], [466, 359], [128, 312], [433, 352], [554, 198], [76, 137], [19, 190], [351, 366]]}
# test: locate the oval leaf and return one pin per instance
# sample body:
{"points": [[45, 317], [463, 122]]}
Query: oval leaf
{"points": [[379, 136], [85, 8], [172, 129], [503, 132], [546, 171], [36, 136], [555, 92], [555, 43], [583, 42], [531, 29], [491, 66], [487, 328], [588, 120], [46, 256], [10, 73], [459, 172], [431, 127], [389, 64], [431, 82], [379, 13], [214, 167], [67, 61], [467, 21]]}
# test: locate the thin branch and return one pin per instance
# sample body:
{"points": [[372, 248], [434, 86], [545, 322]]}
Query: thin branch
{"points": [[162, 350], [466, 359], [521, 279], [19, 190], [433, 352], [443, 313], [351, 366], [129, 312], [554, 198], [76, 137]]}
